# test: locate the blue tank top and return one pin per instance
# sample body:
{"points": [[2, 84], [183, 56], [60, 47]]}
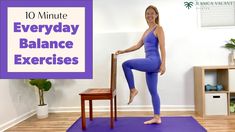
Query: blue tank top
{"points": [[151, 44]]}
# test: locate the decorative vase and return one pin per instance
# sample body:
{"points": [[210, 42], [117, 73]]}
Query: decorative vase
{"points": [[42, 111], [231, 58]]}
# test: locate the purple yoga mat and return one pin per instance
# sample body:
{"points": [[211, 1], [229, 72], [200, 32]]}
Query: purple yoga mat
{"points": [[135, 124]]}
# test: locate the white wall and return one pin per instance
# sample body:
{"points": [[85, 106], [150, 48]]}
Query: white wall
{"points": [[118, 25], [17, 102]]}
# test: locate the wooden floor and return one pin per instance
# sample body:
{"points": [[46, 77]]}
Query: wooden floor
{"points": [[61, 121]]}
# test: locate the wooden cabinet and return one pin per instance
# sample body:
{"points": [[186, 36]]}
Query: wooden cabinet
{"points": [[206, 101]]}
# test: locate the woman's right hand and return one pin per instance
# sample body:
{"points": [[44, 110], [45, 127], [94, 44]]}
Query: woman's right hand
{"points": [[119, 52]]}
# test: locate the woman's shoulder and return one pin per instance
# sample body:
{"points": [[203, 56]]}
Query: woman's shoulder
{"points": [[159, 28]]}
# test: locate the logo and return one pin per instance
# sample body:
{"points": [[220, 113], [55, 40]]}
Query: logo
{"points": [[188, 4], [205, 5]]}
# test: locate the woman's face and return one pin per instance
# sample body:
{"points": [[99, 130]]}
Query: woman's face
{"points": [[150, 15]]}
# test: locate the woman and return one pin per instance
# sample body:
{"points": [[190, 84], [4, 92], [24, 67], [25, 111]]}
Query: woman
{"points": [[153, 39]]}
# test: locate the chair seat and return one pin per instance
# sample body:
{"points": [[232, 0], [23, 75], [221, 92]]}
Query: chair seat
{"points": [[96, 91]]}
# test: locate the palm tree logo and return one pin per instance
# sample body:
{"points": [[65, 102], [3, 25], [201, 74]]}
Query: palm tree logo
{"points": [[188, 4]]}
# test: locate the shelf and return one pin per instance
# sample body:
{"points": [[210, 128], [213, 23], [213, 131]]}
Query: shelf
{"points": [[215, 67], [207, 103], [216, 92], [232, 113]]}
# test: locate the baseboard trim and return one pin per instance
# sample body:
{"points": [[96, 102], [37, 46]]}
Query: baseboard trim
{"points": [[17, 120], [124, 108]]}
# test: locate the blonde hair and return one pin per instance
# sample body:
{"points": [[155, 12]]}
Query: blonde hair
{"points": [[156, 11]]}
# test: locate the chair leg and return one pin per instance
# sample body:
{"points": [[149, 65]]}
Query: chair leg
{"points": [[83, 113], [90, 110], [115, 107], [111, 113]]}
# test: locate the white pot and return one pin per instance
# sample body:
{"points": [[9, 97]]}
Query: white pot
{"points": [[42, 111], [231, 58]]}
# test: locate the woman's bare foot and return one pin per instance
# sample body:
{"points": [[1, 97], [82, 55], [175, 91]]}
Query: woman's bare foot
{"points": [[133, 93], [154, 120]]}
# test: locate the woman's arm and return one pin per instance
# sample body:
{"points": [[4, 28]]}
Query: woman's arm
{"points": [[132, 48], [161, 39]]}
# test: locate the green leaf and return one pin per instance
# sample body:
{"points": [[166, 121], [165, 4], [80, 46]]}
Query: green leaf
{"points": [[47, 85], [232, 40], [229, 46], [41, 84]]}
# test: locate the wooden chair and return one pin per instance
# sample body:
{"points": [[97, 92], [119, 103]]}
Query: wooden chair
{"points": [[101, 94]]}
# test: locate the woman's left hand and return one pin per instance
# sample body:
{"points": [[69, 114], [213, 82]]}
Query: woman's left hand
{"points": [[162, 69]]}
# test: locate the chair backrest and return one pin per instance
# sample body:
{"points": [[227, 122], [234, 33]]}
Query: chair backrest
{"points": [[113, 73]]}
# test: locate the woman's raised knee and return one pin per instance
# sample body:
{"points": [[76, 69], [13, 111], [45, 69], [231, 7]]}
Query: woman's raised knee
{"points": [[125, 64]]}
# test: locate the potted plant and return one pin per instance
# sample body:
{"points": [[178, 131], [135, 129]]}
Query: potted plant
{"points": [[230, 45], [42, 85]]}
